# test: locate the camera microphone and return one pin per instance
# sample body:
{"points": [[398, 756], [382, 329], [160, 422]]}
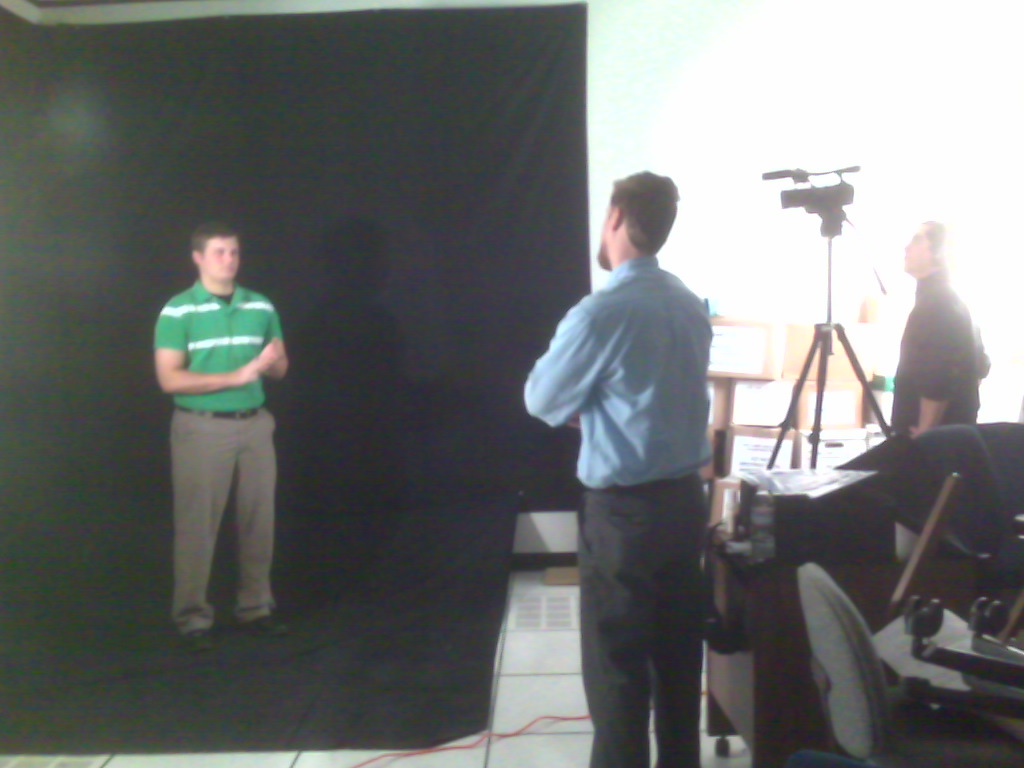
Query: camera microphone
{"points": [[793, 174], [800, 176]]}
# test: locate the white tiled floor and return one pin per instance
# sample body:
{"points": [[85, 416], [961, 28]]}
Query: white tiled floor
{"points": [[224, 760], [537, 672]]}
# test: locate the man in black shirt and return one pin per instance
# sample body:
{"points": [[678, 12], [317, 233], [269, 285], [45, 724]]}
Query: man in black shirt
{"points": [[941, 356]]}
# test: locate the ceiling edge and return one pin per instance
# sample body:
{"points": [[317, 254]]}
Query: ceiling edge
{"points": [[166, 10]]}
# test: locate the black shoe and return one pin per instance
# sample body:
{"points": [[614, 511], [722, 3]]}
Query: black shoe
{"points": [[265, 626], [198, 640]]}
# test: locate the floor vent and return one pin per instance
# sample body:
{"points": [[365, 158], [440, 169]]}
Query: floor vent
{"points": [[546, 612]]}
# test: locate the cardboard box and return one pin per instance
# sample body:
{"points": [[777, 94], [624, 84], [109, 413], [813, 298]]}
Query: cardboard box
{"points": [[725, 502], [745, 349], [798, 340], [835, 447], [884, 400], [841, 408], [760, 403], [750, 448]]}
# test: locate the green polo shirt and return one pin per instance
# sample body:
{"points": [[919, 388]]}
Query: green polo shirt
{"points": [[217, 338]]}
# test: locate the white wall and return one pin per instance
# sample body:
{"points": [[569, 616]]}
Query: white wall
{"points": [[927, 96]]}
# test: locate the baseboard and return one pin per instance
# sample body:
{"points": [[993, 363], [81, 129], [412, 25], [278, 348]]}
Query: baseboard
{"points": [[540, 532]]}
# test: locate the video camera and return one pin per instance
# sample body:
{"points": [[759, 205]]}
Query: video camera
{"points": [[826, 202], [818, 199]]}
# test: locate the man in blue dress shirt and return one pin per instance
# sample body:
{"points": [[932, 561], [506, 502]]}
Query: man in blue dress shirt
{"points": [[628, 364]]}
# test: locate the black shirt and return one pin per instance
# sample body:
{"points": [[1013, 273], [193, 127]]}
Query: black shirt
{"points": [[940, 357]]}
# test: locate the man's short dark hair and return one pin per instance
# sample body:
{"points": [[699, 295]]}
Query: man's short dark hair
{"points": [[648, 202], [209, 230]]}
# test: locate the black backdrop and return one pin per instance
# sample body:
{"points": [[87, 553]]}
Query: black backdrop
{"points": [[411, 189]]}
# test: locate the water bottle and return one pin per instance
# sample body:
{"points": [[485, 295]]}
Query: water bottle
{"points": [[762, 527]]}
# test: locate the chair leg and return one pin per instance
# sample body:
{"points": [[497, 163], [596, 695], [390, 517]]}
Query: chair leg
{"points": [[1016, 614], [926, 543]]}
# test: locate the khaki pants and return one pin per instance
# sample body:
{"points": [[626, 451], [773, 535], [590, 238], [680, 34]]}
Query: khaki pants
{"points": [[207, 454]]}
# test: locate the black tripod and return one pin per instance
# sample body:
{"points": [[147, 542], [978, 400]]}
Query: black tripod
{"points": [[832, 222]]}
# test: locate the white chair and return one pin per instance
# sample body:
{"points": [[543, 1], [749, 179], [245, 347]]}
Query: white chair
{"points": [[870, 721]]}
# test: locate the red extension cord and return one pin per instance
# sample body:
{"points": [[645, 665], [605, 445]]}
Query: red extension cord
{"points": [[473, 745]]}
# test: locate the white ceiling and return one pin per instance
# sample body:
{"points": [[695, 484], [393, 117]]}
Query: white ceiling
{"points": [[128, 11]]}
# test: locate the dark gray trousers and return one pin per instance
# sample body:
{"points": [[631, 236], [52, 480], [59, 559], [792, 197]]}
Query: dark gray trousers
{"points": [[642, 620]]}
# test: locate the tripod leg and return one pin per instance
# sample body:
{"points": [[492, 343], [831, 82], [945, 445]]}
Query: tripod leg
{"points": [[787, 423], [823, 333], [876, 409]]}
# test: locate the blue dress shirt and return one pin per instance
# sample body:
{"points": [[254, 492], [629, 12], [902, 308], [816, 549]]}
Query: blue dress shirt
{"points": [[631, 360]]}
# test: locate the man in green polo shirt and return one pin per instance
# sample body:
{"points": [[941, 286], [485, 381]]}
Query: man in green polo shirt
{"points": [[214, 343]]}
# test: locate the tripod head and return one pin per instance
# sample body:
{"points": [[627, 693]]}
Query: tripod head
{"points": [[826, 202]]}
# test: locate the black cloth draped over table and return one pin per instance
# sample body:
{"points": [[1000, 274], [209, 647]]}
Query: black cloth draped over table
{"points": [[989, 457]]}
